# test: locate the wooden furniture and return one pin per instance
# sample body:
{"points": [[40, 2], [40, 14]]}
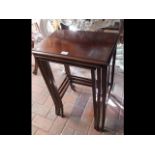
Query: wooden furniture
{"points": [[117, 28], [64, 27], [91, 50], [35, 65], [37, 29]]}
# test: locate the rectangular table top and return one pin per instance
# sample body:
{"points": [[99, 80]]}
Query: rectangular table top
{"points": [[84, 46]]}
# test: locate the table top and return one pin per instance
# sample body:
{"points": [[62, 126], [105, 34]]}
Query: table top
{"points": [[85, 46]]}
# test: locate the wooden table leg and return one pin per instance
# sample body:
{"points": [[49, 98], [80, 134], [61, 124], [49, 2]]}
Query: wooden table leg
{"points": [[113, 70], [68, 72], [99, 87], [104, 94], [49, 80], [96, 114], [35, 68], [99, 95]]}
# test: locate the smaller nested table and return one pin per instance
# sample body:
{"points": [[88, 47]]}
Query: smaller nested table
{"points": [[91, 50]]}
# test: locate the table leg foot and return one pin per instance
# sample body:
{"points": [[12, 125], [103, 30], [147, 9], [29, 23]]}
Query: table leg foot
{"points": [[62, 113], [35, 68], [96, 127], [57, 111], [35, 72], [72, 87]]}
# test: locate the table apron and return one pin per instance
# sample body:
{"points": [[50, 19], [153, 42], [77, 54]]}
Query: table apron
{"points": [[69, 62]]}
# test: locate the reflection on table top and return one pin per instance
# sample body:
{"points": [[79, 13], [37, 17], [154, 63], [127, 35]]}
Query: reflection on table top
{"points": [[84, 45]]}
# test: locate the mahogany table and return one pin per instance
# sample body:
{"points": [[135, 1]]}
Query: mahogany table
{"points": [[85, 49]]}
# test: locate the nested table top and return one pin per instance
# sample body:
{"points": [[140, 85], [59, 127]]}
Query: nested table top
{"points": [[84, 46]]}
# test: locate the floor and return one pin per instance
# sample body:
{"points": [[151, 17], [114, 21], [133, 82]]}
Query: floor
{"points": [[78, 108]]}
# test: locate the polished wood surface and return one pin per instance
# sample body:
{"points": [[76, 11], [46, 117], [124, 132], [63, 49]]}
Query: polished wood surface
{"points": [[81, 45], [92, 50]]}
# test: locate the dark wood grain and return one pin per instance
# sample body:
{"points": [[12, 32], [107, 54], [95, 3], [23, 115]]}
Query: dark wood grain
{"points": [[81, 45], [92, 50]]}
